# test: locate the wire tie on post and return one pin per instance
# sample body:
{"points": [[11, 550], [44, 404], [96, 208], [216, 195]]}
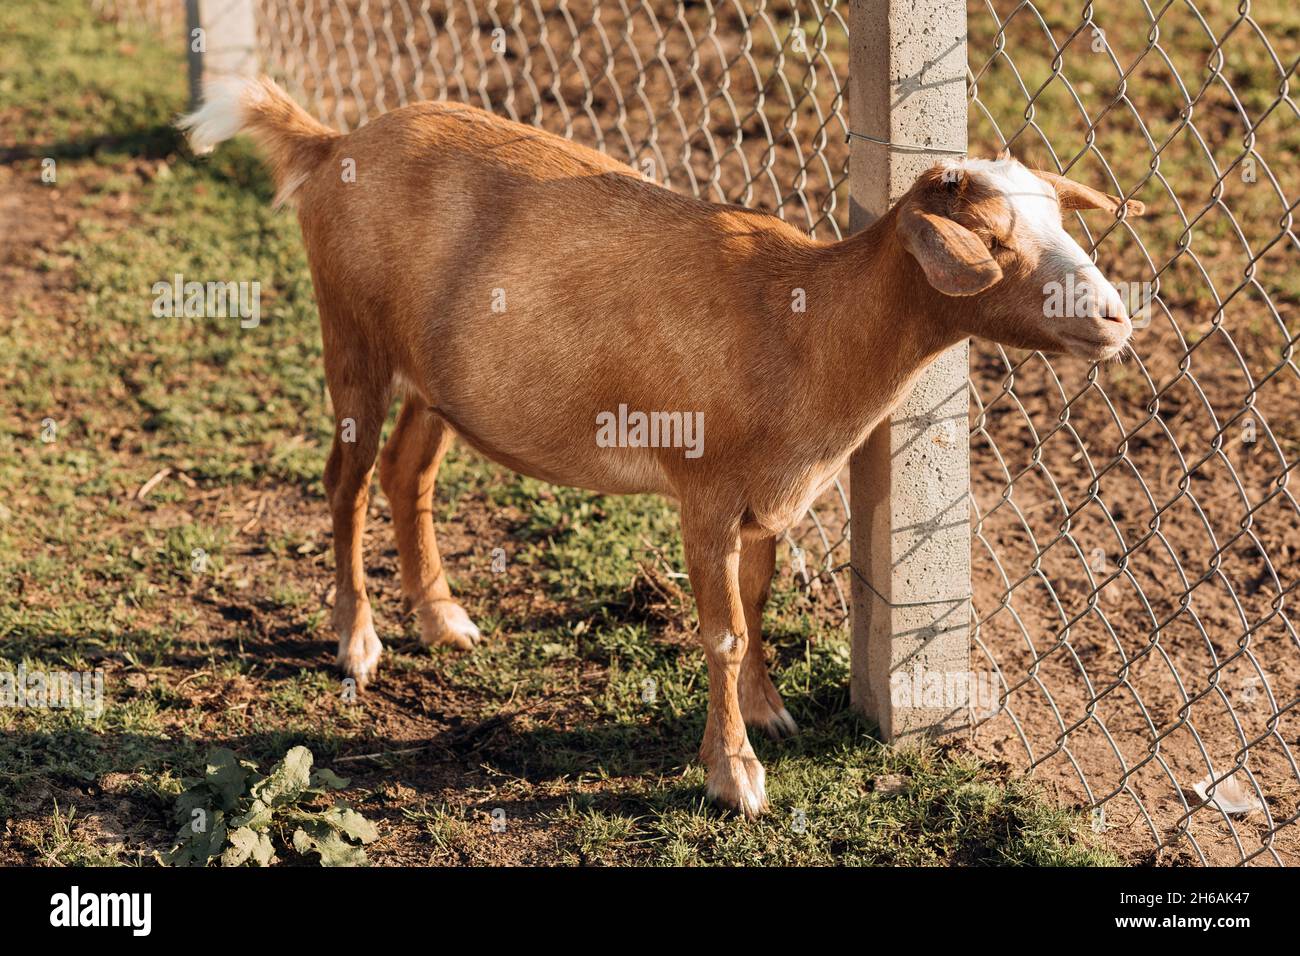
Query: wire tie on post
{"points": [[906, 147], [872, 588]]}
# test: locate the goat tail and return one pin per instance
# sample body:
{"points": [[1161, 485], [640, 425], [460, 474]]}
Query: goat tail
{"points": [[295, 141]]}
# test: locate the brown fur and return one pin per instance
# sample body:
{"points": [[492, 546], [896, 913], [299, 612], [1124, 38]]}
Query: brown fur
{"points": [[617, 291]]}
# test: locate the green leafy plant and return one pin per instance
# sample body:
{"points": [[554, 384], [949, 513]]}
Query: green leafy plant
{"points": [[236, 816]]}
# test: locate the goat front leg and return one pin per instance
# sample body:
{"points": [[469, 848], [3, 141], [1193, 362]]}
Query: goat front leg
{"points": [[760, 703], [736, 779]]}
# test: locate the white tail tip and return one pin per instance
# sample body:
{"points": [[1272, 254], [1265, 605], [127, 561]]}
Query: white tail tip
{"points": [[222, 114]]}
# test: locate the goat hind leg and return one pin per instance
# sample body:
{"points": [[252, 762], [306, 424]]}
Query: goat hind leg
{"points": [[408, 471], [359, 410]]}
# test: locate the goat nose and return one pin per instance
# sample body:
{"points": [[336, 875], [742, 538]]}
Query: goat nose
{"points": [[1109, 303]]}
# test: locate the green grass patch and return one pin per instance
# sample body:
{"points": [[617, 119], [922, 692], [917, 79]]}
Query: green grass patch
{"points": [[579, 717]]}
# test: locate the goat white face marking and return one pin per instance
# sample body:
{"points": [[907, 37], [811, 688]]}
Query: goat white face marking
{"points": [[1036, 216], [1032, 201]]}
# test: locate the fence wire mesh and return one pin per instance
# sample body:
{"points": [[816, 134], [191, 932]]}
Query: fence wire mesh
{"points": [[1134, 527], [1134, 531]]}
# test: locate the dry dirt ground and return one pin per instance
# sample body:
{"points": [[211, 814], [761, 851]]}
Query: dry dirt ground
{"points": [[1135, 533]]}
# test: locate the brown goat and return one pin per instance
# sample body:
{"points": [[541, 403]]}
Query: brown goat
{"points": [[523, 292]]}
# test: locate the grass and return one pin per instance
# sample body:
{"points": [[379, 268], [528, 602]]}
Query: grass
{"points": [[574, 724]]}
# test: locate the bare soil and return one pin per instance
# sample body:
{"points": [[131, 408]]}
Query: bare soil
{"points": [[1135, 531]]}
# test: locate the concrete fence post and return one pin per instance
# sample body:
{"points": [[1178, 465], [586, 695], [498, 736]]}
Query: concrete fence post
{"points": [[222, 37], [909, 484]]}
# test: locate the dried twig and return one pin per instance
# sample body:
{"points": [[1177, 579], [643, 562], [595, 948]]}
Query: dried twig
{"points": [[152, 483]]}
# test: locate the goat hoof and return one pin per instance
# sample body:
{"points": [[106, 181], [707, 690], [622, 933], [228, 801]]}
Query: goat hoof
{"points": [[739, 784], [445, 623], [358, 655], [777, 724], [762, 708]]}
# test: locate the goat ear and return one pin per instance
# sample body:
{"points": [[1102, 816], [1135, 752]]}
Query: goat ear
{"points": [[954, 261], [1074, 195]]}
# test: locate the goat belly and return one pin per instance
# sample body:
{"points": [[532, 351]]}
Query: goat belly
{"points": [[565, 456]]}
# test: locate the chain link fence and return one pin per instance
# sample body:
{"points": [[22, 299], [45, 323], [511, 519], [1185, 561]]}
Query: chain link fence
{"points": [[1135, 529], [1135, 533]]}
